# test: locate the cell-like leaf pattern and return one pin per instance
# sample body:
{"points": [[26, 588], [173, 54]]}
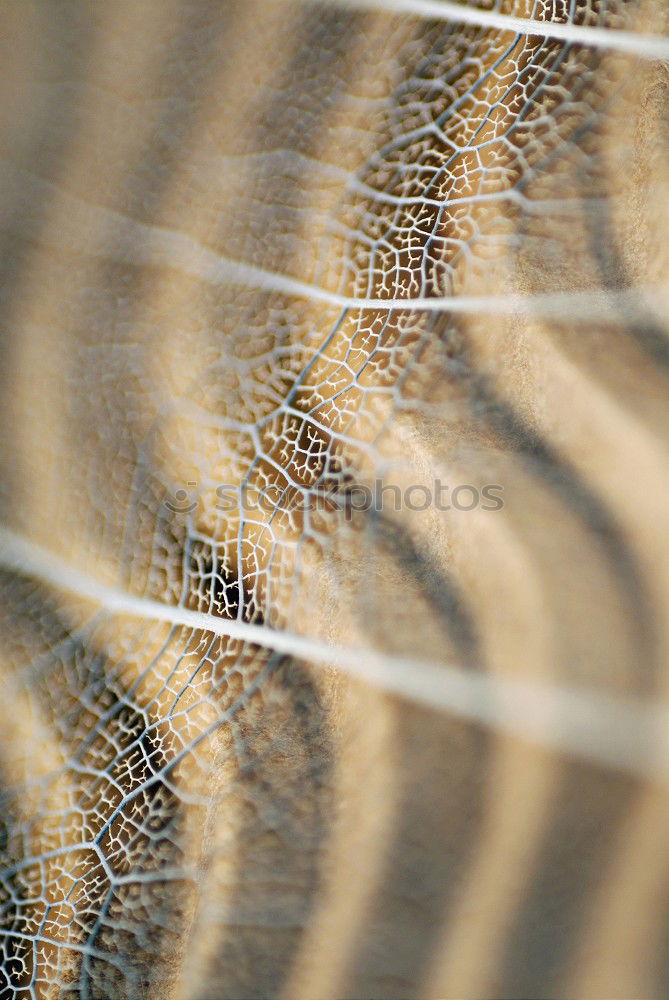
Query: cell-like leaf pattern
{"points": [[333, 521]]}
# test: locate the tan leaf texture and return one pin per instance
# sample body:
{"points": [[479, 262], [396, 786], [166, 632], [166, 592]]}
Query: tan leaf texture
{"points": [[334, 499]]}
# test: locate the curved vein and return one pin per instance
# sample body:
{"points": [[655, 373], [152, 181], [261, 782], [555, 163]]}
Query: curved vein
{"points": [[141, 244], [622, 733], [641, 45]]}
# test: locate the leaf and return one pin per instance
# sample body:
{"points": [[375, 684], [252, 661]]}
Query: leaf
{"points": [[333, 634]]}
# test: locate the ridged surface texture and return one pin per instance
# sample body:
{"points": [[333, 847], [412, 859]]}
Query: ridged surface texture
{"points": [[334, 499]]}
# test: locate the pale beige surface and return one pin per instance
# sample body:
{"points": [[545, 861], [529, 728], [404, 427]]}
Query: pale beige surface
{"points": [[193, 816]]}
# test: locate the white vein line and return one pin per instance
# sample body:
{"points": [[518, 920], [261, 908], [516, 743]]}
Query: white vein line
{"points": [[619, 732], [98, 231], [538, 207], [644, 46]]}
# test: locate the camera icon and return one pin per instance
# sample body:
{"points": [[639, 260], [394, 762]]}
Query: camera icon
{"points": [[181, 502]]}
